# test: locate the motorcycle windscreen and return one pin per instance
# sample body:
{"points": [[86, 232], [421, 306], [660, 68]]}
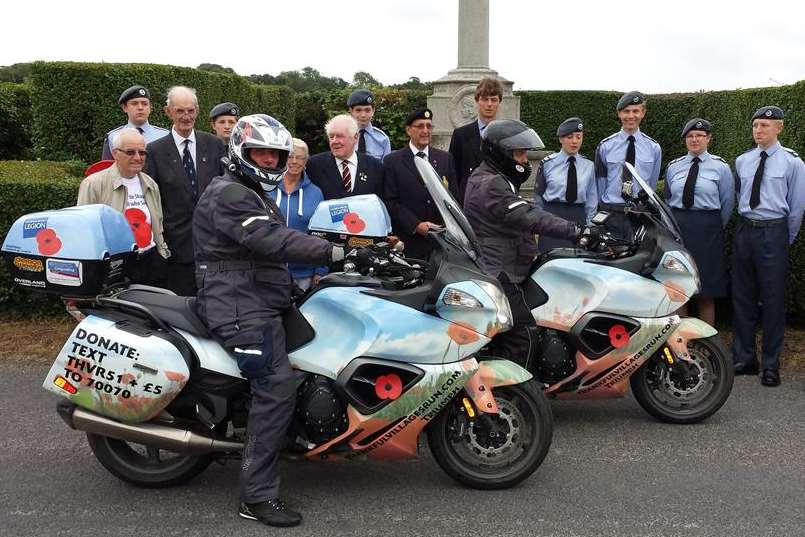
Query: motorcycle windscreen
{"points": [[116, 373]]}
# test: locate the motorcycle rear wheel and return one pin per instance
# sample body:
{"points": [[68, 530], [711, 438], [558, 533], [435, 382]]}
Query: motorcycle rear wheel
{"points": [[466, 452], [145, 466], [673, 401]]}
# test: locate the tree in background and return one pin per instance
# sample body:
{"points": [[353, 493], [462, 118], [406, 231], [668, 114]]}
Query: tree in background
{"points": [[17, 73], [215, 68], [362, 79], [308, 79]]}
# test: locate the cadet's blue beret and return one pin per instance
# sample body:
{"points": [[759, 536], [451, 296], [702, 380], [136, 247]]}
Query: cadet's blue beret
{"points": [[569, 126], [133, 92], [696, 124], [633, 97], [224, 109], [421, 113], [768, 112], [361, 97]]}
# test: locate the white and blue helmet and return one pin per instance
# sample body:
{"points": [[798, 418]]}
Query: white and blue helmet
{"points": [[259, 131]]}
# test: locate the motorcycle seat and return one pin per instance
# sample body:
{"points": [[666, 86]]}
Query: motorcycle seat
{"points": [[176, 311]]}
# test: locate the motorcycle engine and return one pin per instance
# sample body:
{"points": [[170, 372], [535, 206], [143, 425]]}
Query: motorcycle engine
{"points": [[319, 409], [555, 357]]}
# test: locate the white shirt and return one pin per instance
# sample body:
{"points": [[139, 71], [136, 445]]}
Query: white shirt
{"points": [[137, 213], [414, 150], [178, 139], [352, 164]]}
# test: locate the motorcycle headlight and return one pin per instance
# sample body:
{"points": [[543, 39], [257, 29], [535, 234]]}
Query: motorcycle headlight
{"points": [[504, 316]]}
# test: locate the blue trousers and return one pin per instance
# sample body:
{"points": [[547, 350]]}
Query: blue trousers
{"points": [[759, 266]]}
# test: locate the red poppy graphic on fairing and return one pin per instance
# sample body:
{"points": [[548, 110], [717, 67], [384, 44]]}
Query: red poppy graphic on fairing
{"points": [[388, 386], [139, 226], [618, 336], [48, 241], [354, 223]]}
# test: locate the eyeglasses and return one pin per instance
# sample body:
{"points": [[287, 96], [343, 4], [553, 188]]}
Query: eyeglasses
{"points": [[695, 136], [133, 152]]}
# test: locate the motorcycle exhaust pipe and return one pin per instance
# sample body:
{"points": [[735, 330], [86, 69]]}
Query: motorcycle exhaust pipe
{"points": [[149, 434]]}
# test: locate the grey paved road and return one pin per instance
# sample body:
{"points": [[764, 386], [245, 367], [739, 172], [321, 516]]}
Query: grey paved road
{"points": [[612, 471]]}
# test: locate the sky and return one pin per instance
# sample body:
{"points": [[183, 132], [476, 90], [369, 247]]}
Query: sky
{"points": [[655, 47]]}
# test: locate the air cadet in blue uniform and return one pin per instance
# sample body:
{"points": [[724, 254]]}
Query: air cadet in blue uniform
{"points": [[565, 184], [371, 140], [223, 118], [136, 103], [631, 145], [700, 189], [771, 198]]}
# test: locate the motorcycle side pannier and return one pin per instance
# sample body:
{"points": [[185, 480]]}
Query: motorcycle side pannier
{"points": [[355, 221], [77, 251]]}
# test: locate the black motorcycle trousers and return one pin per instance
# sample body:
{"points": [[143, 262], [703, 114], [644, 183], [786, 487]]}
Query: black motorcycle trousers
{"points": [[515, 344], [259, 348]]}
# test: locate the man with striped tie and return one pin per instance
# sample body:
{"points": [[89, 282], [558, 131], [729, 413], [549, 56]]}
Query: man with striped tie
{"points": [[342, 171]]}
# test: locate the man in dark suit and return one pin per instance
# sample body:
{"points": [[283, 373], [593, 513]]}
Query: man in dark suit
{"points": [[182, 164], [465, 144], [341, 171], [410, 206]]}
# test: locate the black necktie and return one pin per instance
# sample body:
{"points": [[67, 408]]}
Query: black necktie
{"points": [[189, 167], [572, 190], [754, 199], [140, 130], [690, 184], [362, 142], [422, 154], [625, 175]]}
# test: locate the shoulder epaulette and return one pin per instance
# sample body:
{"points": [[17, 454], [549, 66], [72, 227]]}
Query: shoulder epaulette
{"points": [[718, 158], [791, 151], [608, 138], [676, 160], [583, 156], [649, 137], [160, 128], [114, 130], [747, 151], [549, 157]]}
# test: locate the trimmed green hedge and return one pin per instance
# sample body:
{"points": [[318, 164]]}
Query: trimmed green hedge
{"points": [[75, 104], [391, 108], [28, 187], [15, 121], [729, 112]]}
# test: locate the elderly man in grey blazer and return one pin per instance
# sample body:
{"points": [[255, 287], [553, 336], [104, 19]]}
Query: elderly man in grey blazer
{"points": [[183, 164], [124, 187]]}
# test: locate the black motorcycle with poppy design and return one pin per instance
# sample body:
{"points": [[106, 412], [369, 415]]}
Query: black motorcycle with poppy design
{"points": [[606, 318]]}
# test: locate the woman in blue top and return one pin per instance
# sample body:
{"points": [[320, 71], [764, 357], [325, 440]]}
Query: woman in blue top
{"points": [[297, 198], [700, 189]]}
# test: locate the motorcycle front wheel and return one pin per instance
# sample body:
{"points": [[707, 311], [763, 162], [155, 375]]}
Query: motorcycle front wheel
{"points": [[494, 451], [146, 466], [682, 399]]}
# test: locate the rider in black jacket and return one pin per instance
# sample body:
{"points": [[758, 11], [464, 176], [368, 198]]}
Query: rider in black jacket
{"points": [[242, 248], [505, 223]]}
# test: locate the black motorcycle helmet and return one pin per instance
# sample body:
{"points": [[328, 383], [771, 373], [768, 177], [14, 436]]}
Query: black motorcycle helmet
{"points": [[499, 140]]}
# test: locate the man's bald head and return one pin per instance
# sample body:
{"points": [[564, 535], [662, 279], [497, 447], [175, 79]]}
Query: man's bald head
{"points": [[182, 107], [129, 152]]}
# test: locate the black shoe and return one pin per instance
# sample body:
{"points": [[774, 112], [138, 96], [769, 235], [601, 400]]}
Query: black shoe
{"points": [[746, 369], [770, 377], [271, 512]]}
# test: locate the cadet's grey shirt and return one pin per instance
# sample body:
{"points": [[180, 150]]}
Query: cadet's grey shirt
{"points": [[610, 156], [552, 172], [150, 132], [715, 185], [782, 190]]}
